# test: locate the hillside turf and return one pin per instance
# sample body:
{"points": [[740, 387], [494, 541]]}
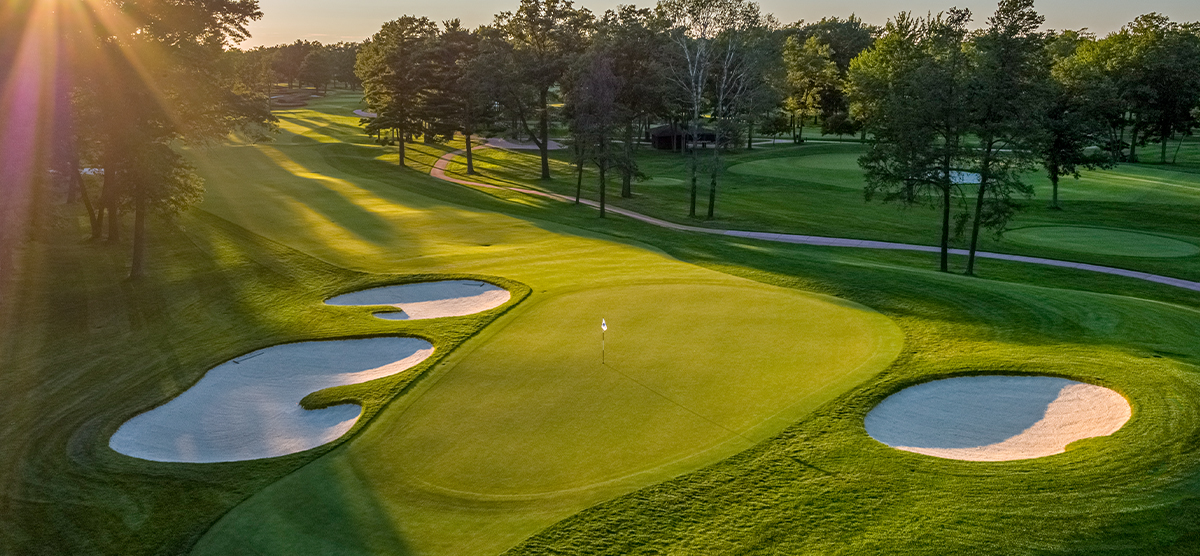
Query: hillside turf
{"points": [[726, 418]]}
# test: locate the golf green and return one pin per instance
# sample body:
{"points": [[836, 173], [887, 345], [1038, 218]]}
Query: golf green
{"points": [[836, 169], [526, 425], [1102, 241], [523, 426]]}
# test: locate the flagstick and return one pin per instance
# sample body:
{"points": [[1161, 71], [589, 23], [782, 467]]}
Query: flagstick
{"points": [[603, 331]]}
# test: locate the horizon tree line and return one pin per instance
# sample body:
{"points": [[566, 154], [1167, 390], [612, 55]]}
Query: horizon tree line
{"points": [[933, 99]]}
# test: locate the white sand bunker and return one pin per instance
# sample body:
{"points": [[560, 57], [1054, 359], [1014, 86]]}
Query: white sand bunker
{"points": [[249, 408], [430, 300], [996, 418]]}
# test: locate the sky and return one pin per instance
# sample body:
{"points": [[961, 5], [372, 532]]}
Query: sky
{"points": [[330, 21]]}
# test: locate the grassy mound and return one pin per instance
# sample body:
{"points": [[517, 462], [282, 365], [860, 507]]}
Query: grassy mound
{"points": [[1102, 241]]}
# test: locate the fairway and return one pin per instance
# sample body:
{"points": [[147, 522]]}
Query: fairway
{"points": [[836, 169], [1102, 241]]}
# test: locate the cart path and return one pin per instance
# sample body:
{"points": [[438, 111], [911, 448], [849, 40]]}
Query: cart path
{"points": [[439, 171]]}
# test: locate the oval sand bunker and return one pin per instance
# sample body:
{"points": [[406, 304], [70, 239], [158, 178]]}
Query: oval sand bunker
{"points": [[430, 300], [249, 408], [996, 418]]}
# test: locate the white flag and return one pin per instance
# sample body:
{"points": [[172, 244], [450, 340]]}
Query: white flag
{"points": [[603, 325]]}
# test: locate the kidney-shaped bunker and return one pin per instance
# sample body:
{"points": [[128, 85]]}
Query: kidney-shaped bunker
{"points": [[996, 418], [429, 300], [249, 407]]}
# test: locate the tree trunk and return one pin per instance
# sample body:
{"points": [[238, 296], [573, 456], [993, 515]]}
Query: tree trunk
{"points": [[603, 179], [544, 132], [1165, 138], [77, 179], [469, 129], [945, 262], [627, 163], [1133, 138], [694, 167], [749, 135], [692, 206], [712, 184], [400, 137], [1054, 187], [470, 159], [579, 180], [110, 198], [137, 266], [983, 182]]}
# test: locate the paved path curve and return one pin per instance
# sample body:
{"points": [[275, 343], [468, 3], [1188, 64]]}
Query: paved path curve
{"points": [[439, 171]]}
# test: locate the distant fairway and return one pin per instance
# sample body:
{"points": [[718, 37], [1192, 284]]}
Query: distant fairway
{"points": [[1102, 241], [836, 169], [661, 182]]}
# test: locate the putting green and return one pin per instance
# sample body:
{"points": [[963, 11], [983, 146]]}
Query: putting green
{"points": [[659, 182], [1102, 241], [836, 169], [524, 424]]}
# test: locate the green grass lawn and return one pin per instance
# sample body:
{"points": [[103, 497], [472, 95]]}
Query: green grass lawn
{"points": [[1103, 241], [712, 428], [816, 189]]}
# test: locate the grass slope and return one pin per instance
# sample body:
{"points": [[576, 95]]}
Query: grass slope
{"points": [[548, 430], [83, 350]]}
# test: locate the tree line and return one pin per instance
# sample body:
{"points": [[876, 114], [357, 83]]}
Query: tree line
{"points": [[954, 117], [116, 87]]}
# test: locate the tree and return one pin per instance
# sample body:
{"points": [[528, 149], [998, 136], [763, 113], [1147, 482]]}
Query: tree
{"points": [[290, 58], [910, 92], [633, 40], [458, 98], [1167, 57], [342, 57], [1073, 122], [810, 72], [395, 69], [594, 111], [846, 39], [1008, 88], [745, 50], [147, 81], [317, 69], [544, 36], [695, 26]]}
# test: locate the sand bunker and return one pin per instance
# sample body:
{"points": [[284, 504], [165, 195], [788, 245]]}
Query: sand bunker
{"points": [[430, 300], [248, 408], [996, 418]]}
